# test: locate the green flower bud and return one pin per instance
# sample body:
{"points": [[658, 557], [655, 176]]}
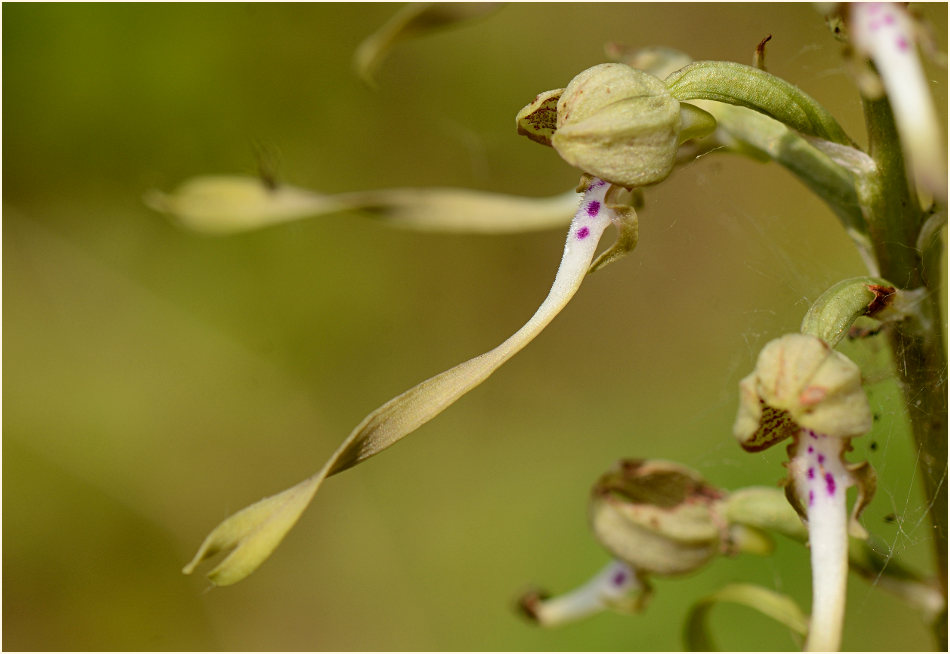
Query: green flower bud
{"points": [[619, 124], [659, 517], [800, 383]]}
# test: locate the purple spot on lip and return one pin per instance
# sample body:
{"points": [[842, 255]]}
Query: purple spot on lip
{"points": [[619, 578], [889, 19], [830, 483], [811, 497], [821, 458], [593, 208], [811, 473], [902, 43], [812, 434], [810, 449], [583, 233]]}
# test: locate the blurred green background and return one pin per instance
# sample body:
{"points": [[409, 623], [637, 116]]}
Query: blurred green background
{"points": [[157, 380]]}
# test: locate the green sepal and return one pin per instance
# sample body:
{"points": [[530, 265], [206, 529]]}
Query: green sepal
{"points": [[747, 86]]}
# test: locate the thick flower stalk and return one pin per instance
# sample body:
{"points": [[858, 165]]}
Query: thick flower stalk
{"points": [[254, 532], [803, 390]]}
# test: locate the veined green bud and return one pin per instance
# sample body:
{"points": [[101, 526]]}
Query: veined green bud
{"points": [[659, 517], [619, 124], [800, 383]]}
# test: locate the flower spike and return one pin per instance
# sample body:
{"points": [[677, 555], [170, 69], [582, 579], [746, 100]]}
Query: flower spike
{"points": [[253, 533]]}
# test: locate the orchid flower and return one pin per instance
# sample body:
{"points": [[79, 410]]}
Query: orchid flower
{"points": [[254, 532], [803, 390]]}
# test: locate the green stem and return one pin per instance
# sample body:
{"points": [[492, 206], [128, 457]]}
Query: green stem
{"points": [[894, 219]]}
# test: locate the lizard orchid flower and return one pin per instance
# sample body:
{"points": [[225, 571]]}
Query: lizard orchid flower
{"points": [[803, 390]]}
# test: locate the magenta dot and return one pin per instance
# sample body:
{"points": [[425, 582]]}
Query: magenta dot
{"points": [[583, 233], [593, 208], [810, 449], [811, 497], [821, 458], [889, 19], [830, 483], [812, 434], [902, 43], [811, 473], [620, 577]]}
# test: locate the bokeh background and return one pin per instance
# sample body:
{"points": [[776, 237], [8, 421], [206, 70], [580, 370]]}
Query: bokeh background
{"points": [[157, 380]]}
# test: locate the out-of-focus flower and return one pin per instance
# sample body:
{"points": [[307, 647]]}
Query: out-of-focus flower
{"points": [[660, 517], [886, 34], [617, 587], [231, 204]]}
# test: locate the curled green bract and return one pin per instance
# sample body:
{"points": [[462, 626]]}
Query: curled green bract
{"points": [[737, 84], [833, 313], [777, 606]]}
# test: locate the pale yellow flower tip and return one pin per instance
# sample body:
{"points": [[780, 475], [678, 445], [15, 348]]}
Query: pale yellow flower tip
{"points": [[251, 534]]}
